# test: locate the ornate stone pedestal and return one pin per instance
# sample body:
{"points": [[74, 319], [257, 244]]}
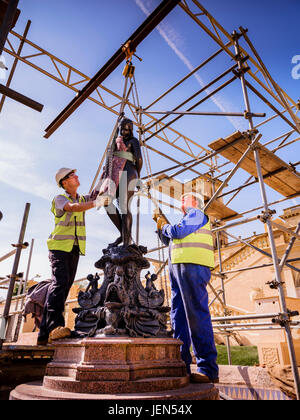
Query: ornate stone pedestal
{"points": [[127, 351], [122, 306], [121, 368]]}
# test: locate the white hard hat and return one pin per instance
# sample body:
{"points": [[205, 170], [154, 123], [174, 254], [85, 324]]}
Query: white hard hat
{"points": [[198, 196], [62, 173]]}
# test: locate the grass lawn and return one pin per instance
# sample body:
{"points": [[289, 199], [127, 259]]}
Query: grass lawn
{"points": [[240, 355]]}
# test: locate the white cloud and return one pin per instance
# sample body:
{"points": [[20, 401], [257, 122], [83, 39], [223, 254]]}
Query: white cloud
{"points": [[17, 169], [19, 157]]}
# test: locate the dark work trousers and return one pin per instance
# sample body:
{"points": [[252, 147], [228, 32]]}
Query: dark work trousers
{"points": [[64, 267]]}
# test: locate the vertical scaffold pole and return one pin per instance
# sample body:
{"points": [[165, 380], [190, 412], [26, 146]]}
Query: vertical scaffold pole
{"points": [[222, 285], [21, 291], [11, 286], [277, 269]]}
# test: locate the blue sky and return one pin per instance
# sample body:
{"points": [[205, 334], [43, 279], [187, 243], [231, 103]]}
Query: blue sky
{"points": [[86, 35]]}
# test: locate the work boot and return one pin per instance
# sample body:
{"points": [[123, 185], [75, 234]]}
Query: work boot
{"points": [[59, 333], [200, 378]]}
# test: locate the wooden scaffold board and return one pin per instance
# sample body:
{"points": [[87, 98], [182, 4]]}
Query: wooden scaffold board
{"points": [[174, 189], [277, 174]]}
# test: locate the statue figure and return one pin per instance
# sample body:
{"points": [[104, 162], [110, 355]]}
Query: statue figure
{"points": [[150, 286], [93, 284], [90, 297], [120, 176]]}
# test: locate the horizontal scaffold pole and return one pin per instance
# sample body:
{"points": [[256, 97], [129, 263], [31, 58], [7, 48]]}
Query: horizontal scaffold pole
{"points": [[217, 114]]}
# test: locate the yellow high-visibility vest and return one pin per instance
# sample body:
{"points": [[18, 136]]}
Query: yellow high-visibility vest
{"points": [[67, 228], [196, 248]]}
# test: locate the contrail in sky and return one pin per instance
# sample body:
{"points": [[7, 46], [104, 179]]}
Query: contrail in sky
{"points": [[167, 37]]}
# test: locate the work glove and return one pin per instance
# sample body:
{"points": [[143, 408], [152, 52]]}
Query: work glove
{"points": [[156, 214], [161, 222], [159, 218], [102, 200]]}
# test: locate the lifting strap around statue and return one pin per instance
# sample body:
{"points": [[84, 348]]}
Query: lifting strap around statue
{"points": [[125, 155]]}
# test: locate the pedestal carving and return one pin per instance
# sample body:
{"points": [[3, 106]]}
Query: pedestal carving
{"points": [[122, 306]]}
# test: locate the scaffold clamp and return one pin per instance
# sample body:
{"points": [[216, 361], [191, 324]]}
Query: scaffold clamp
{"points": [[284, 318], [240, 72], [22, 246], [266, 215], [273, 284], [235, 35]]}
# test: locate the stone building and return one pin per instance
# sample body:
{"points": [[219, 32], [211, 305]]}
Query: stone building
{"points": [[251, 290]]}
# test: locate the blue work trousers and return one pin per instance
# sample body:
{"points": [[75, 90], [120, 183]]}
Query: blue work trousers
{"points": [[190, 316]]}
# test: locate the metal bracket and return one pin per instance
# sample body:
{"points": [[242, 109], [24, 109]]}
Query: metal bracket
{"points": [[16, 277], [274, 284], [227, 312], [250, 133], [236, 35], [241, 59], [128, 70], [284, 318], [22, 246], [266, 215], [129, 52], [239, 73], [222, 276], [247, 115]]}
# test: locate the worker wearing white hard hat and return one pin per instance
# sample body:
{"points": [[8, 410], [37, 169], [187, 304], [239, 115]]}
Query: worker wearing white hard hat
{"points": [[66, 243], [199, 197], [63, 174], [191, 257]]}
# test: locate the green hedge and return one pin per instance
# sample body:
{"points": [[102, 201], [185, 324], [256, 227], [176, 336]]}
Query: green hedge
{"points": [[240, 355]]}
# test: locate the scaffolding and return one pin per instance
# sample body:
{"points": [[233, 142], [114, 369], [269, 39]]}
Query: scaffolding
{"points": [[241, 150]]}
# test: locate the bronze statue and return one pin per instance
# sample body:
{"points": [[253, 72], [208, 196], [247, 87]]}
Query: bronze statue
{"points": [[120, 177], [122, 305]]}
